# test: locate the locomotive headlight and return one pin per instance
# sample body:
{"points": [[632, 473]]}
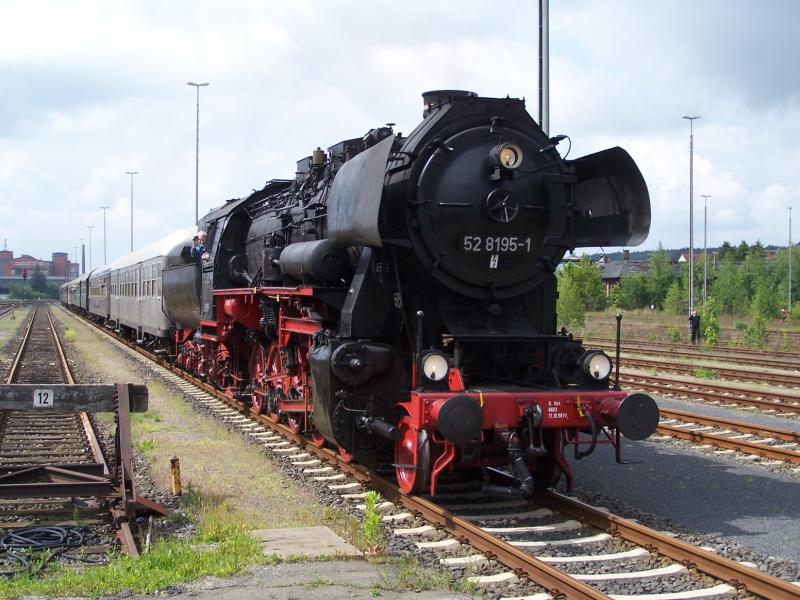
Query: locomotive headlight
{"points": [[435, 366], [507, 156], [596, 365]]}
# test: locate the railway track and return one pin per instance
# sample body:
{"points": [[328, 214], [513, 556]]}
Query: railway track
{"points": [[783, 402], [758, 358], [566, 547], [47, 459], [771, 377], [757, 440]]}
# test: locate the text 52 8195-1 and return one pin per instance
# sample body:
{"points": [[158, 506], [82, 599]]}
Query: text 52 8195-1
{"points": [[496, 244]]}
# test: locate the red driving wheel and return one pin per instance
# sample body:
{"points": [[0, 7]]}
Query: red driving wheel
{"points": [[412, 458]]}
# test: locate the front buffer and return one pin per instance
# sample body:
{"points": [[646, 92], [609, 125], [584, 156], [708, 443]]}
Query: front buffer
{"points": [[523, 430]]}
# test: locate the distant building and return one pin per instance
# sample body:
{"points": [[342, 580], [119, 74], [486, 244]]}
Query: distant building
{"points": [[613, 270], [58, 266]]}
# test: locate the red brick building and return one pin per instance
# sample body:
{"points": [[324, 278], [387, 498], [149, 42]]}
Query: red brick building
{"points": [[58, 266]]}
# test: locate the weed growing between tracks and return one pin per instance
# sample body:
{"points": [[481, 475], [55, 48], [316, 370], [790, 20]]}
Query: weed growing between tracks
{"points": [[221, 548], [702, 373]]}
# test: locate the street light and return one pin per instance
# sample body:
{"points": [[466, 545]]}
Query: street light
{"points": [[197, 86], [90, 227], [691, 208], [105, 258], [131, 173], [705, 198], [789, 308]]}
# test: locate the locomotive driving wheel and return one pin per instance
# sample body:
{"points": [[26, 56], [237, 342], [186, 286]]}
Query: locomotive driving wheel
{"points": [[258, 401], [412, 458]]}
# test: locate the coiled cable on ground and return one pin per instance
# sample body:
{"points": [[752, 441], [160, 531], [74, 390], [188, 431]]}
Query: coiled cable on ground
{"points": [[20, 544]]}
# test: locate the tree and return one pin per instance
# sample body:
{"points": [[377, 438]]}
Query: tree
{"points": [[634, 291], [676, 302], [741, 251], [580, 288], [729, 288], [660, 277], [726, 250], [39, 281]]}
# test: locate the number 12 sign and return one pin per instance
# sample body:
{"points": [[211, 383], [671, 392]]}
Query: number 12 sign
{"points": [[43, 398]]}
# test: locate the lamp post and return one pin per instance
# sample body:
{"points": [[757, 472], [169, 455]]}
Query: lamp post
{"points": [[544, 66], [789, 308], [131, 173], [105, 258], [691, 208], [705, 198], [90, 227], [197, 86]]}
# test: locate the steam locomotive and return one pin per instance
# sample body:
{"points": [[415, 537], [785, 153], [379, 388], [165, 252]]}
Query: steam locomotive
{"points": [[396, 299]]}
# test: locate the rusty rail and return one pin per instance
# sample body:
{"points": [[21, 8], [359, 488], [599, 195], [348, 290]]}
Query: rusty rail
{"points": [[710, 391], [720, 441], [735, 574]]}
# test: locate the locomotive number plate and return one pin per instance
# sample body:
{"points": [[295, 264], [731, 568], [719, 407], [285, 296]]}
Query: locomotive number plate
{"points": [[495, 244]]}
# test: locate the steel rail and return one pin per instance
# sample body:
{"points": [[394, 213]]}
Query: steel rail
{"points": [[786, 435], [88, 428], [669, 386], [720, 441], [761, 358], [17, 363], [735, 574], [789, 379]]}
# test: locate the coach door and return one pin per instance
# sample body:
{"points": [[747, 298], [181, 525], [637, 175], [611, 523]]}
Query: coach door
{"points": [[139, 302]]}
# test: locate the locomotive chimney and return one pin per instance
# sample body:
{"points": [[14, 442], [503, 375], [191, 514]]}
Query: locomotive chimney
{"points": [[437, 97], [626, 254]]}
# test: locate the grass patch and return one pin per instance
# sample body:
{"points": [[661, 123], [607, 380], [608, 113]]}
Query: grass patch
{"points": [[702, 373], [673, 334], [146, 446], [371, 526], [412, 575], [168, 563], [69, 335]]}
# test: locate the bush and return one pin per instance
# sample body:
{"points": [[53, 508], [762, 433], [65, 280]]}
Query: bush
{"points": [[741, 325], [755, 336], [674, 334], [709, 323], [795, 314], [674, 302]]}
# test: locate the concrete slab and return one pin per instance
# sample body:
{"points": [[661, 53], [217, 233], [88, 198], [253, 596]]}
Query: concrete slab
{"points": [[311, 542]]}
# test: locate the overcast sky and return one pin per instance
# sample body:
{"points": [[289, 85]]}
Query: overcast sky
{"points": [[89, 90]]}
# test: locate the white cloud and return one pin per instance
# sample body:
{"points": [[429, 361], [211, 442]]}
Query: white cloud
{"points": [[92, 90]]}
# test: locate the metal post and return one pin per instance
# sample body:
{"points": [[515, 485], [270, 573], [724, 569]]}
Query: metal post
{"points": [[131, 173], [105, 256], [90, 227], [691, 209], [197, 86], [789, 308], [544, 66], [705, 232]]}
